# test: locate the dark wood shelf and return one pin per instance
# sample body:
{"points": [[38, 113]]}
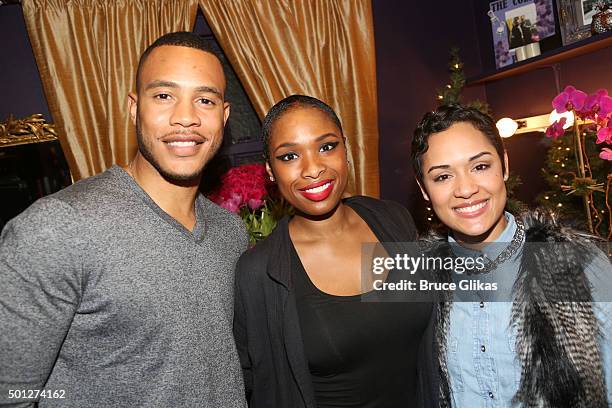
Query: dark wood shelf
{"points": [[576, 49]]}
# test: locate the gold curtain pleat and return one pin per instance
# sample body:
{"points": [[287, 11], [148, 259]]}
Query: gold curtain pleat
{"points": [[87, 53], [322, 48]]}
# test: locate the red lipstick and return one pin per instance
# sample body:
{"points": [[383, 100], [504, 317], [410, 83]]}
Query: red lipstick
{"points": [[318, 191]]}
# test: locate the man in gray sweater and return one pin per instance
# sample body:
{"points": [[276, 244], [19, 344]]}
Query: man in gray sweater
{"points": [[118, 291]]}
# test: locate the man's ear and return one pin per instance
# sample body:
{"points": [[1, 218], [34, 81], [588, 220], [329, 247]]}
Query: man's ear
{"points": [[506, 167], [226, 112], [269, 171], [425, 195], [133, 106]]}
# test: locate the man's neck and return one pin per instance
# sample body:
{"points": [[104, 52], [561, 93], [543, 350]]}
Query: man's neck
{"points": [[176, 200]]}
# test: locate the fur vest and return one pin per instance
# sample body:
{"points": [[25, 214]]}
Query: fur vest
{"points": [[556, 343]]}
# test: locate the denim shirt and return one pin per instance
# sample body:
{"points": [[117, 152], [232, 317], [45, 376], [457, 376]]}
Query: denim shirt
{"points": [[484, 370]]}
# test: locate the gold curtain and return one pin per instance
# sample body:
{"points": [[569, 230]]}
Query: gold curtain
{"points": [[87, 53], [322, 48]]}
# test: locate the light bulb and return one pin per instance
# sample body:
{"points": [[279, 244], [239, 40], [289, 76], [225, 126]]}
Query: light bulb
{"points": [[506, 126], [555, 116]]}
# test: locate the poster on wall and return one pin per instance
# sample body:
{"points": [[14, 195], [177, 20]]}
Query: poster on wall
{"points": [[517, 23]]}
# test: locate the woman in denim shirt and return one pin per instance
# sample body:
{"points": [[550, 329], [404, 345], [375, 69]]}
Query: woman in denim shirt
{"points": [[542, 337]]}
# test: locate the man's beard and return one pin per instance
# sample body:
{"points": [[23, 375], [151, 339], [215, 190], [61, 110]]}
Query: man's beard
{"points": [[174, 178]]}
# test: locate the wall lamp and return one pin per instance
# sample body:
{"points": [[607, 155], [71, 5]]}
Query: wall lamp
{"points": [[508, 127]]}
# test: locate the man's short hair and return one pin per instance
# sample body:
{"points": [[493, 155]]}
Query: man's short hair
{"points": [[443, 118], [179, 38], [287, 104]]}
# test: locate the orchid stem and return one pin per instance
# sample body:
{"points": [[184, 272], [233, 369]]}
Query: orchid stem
{"points": [[579, 154], [608, 207]]}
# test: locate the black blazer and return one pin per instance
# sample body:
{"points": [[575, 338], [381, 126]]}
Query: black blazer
{"points": [[266, 322]]}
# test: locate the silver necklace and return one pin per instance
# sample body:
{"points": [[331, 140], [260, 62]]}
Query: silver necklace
{"points": [[507, 253]]}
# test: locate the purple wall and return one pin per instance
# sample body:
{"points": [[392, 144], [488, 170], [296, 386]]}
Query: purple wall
{"points": [[532, 92], [19, 79], [412, 43], [413, 40]]}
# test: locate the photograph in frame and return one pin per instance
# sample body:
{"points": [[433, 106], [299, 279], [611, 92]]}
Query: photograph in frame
{"points": [[587, 10], [574, 19], [514, 26]]}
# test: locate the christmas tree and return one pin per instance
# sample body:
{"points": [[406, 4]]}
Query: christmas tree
{"points": [[559, 168], [451, 94]]}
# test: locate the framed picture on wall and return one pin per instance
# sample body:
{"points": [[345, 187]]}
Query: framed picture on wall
{"points": [[518, 24], [575, 19]]}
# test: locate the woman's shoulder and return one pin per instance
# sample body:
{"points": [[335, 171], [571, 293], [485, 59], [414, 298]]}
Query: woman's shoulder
{"points": [[255, 261], [542, 225], [388, 216], [381, 207], [261, 251], [375, 203]]}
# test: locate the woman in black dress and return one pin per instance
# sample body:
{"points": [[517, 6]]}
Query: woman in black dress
{"points": [[305, 332]]}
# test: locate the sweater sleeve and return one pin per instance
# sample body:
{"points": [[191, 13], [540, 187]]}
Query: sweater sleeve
{"points": [[40, 281]]}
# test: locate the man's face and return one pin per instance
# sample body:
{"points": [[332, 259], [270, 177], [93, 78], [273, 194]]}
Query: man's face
{"points": [[179, 111]]}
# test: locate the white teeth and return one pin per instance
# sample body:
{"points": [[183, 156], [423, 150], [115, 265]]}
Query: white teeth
{"points": [[318, 189], [179, 143], [471, 208]]}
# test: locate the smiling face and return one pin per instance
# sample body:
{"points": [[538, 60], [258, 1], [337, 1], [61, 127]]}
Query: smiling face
{"points": [[308, 160], [179, 111], [463, 177]]}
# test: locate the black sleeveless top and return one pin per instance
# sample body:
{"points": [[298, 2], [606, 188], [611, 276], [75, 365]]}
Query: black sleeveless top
{"points": [[360, 354]]}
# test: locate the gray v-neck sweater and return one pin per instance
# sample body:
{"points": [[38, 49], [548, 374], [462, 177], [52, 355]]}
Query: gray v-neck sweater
{"points": [[107, 299]]}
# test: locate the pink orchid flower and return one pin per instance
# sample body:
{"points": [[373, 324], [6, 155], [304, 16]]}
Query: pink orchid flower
{"points": [[569, 99], [556, 129], [604, 134], [599, 104], [606, 154]]}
